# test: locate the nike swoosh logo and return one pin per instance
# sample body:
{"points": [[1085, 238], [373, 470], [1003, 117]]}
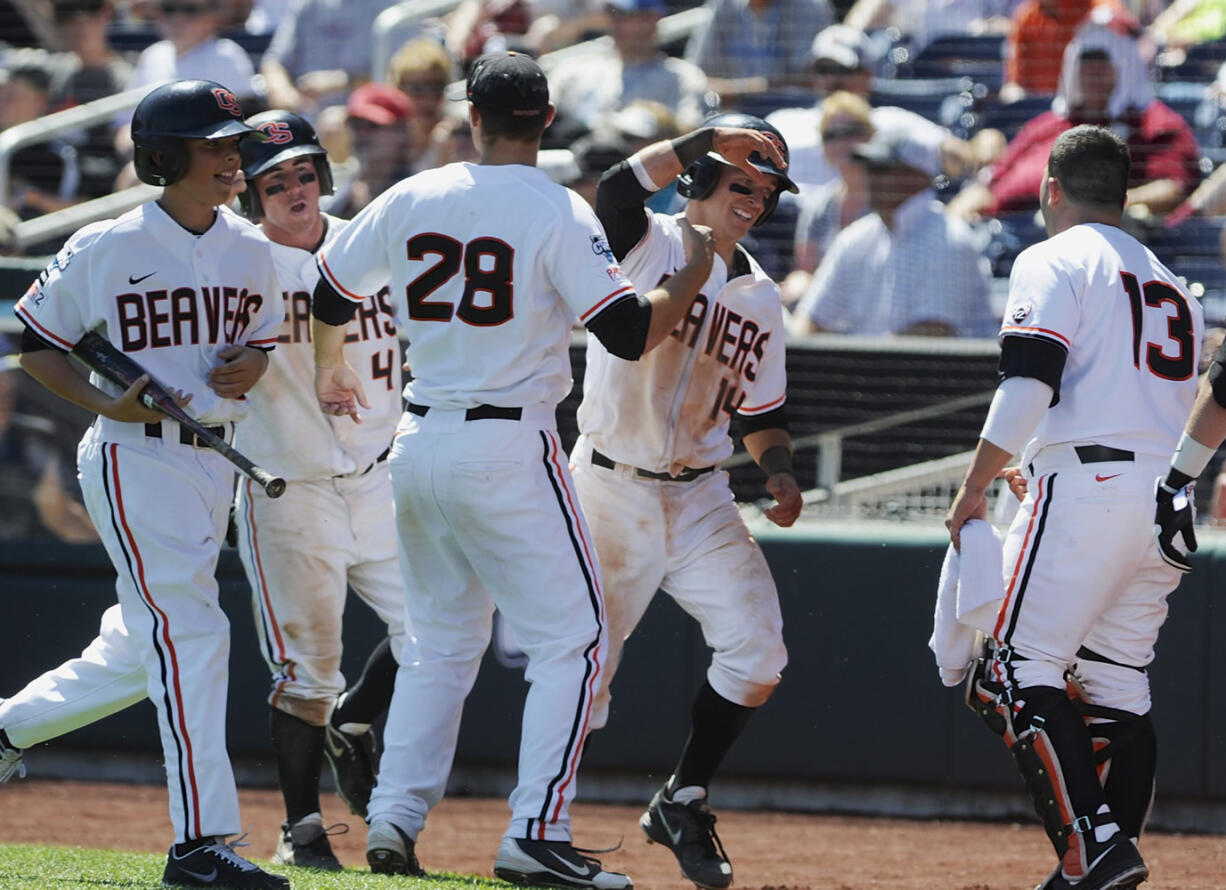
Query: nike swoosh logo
{"points": [[1100, 478], [668, 829], [582, 873], [207, 877], [132, 280]]}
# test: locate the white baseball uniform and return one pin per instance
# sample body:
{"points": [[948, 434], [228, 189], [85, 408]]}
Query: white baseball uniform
{"points": [[171, 299], [333, 527], [495, 262], [669, 413], [1081, 566]]}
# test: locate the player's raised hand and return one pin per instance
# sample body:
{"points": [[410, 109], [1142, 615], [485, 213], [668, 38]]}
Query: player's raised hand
{"points": [[240, 369], [128, 407], [788, 500], [339, 391], [1173, 514], [736, 144], [699, 246]]}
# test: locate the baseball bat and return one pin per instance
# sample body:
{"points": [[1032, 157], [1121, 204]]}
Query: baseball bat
{"points": [[116, 366]]}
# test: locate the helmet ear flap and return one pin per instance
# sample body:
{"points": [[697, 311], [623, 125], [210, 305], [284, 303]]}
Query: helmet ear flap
{"points": [[699, 179], [161, 163], [324, 170], [249, 203]]}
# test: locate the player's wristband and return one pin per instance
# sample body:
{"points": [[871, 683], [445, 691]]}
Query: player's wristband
{"points": [[776, 459], [692, 146], [1191, 457]]}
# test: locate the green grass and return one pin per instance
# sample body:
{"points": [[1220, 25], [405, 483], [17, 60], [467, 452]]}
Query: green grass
{"points": [[24, 867]]}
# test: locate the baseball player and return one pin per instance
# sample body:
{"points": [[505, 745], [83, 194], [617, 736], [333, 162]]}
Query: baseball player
{"points": [[653, 432], [189, 293], [334, 527], [1099, 350], [495, 261]]}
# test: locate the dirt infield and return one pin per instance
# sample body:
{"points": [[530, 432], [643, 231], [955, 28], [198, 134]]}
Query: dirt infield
{"points": [[770, 851]]}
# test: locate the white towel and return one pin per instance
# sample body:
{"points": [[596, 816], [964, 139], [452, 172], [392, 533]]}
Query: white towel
{"points": [[969, 595]]}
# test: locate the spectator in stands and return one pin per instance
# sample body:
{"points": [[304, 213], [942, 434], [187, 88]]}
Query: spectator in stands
{"points": [[586, 86], [34, 501], [1104, 81], [43, 177], [922, 21], [593, 156], [1186, 23], [322, 50], [842, 58], [191, 50], [750, 46], [379, 117], [476, 27], [422, 69], [833, 206], [1041, 31], [907, 267], [87, 70]]}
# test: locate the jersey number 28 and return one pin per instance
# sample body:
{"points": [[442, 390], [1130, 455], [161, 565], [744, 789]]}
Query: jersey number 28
{"points": [[486, 264], [1178, 328]]}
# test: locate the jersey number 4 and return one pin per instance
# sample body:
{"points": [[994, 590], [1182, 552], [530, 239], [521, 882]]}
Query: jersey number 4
{"points": [[486, 265], [1178, 328]]}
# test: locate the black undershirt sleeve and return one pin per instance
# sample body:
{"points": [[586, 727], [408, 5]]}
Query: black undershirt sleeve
{"points": [[31, 342], [329, 306], [621, 327], [619, 207], [776, 419], [1033, 357]]}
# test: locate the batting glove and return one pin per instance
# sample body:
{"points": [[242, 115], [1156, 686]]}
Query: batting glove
{"points": [[1174, 513]]}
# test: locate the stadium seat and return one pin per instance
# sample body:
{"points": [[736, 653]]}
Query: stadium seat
{"points": [[1199, 63], [978, 56], [943, 100], [1010, 234], [1010, 117], [1197, 237]]}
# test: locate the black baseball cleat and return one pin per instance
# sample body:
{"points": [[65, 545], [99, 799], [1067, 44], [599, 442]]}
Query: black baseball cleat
{"points": [[553, 864], [10, 759], [215, 864], [354, 760], [1118, 867], [688, 829], [306, 845], [389, 851]]}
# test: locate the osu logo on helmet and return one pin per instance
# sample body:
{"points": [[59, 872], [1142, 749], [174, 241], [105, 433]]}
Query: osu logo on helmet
{"points": [[227, 101], [278, 132]]}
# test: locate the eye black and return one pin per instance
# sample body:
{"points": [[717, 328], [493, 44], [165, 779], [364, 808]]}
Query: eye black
{"points": [[274, 190], [740, 189]]}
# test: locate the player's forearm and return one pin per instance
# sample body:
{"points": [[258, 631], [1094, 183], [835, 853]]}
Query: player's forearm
{"points": [[329, 343], [771, 450], [988, 462], [52, 369], [663, 161]]}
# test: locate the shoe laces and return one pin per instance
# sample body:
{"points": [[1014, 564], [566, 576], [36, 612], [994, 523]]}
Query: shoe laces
{"points": [[224, 850], [704, 820]]}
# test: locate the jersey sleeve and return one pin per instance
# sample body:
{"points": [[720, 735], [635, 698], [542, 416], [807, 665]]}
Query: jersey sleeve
{"points": [[1042, 299], [582, 266], [356, 263], [56, 305], [266, 325]]}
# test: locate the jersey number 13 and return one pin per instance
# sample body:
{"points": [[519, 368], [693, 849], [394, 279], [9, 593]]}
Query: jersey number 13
{"points": [[1178, 327]]}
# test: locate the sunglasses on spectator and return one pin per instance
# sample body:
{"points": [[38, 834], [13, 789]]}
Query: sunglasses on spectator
{"points": [[846, 131], [188, 9]]}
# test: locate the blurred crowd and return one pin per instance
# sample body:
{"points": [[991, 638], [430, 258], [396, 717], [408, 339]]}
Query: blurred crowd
{"points": [[918, 129]]}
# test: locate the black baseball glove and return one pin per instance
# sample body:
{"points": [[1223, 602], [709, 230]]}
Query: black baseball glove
{"points": [[1174, 514]]}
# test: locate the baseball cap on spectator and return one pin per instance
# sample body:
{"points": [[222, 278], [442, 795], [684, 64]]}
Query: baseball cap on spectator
{"points": [[508, 84], [379, 103], [847, 47], [631, 6], [897, 146]]}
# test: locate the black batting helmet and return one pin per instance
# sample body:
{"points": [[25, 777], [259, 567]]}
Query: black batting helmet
{"points": [[286, 136], [700, 177], [173, 112]]}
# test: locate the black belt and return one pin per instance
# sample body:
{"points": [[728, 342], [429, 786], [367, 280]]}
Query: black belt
{"points": [[186, 436], [378, 460], [689, 474], [481, 412], [1100, 454]]}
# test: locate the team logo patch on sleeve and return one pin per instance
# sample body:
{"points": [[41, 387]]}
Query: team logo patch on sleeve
{"points": [[1021, 313], [600, 247]]}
